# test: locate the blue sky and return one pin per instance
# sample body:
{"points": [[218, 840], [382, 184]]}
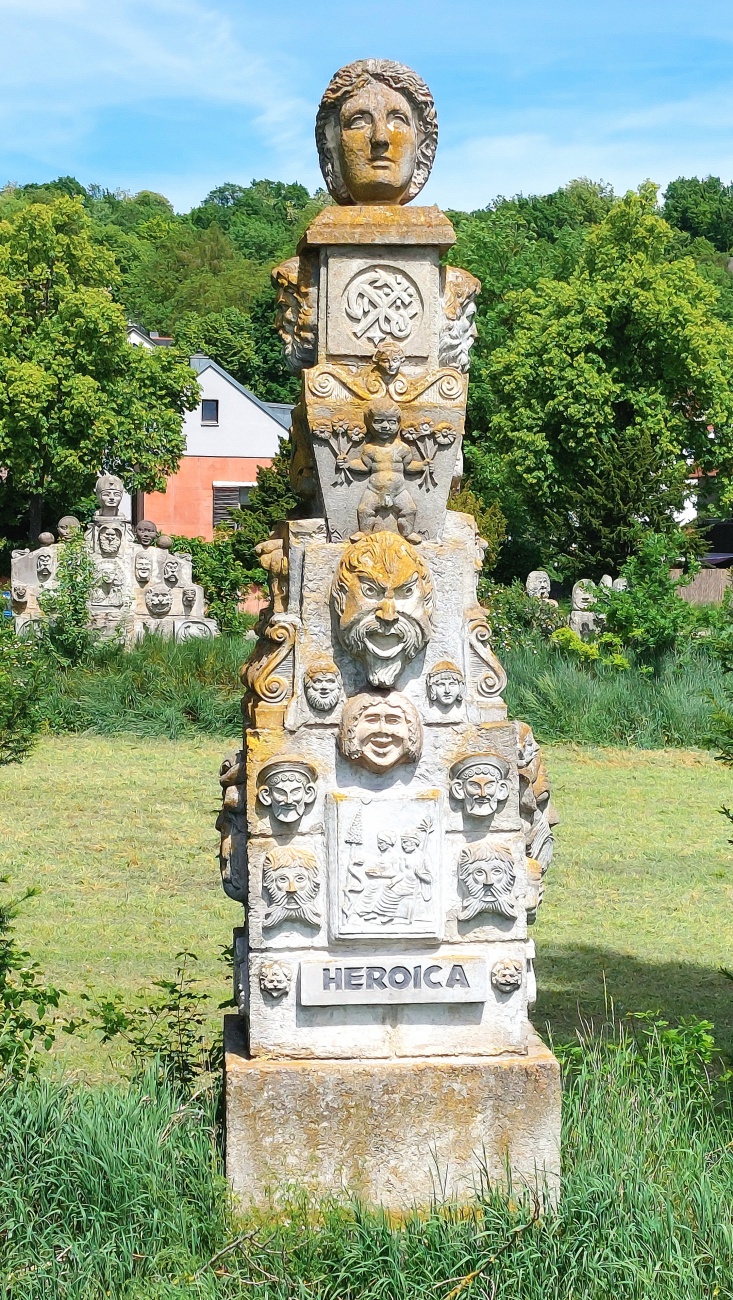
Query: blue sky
{"points": [[181, 95]]}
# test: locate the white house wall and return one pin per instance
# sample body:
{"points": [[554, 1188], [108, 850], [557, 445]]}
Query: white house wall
{"points": [[243, 429]]}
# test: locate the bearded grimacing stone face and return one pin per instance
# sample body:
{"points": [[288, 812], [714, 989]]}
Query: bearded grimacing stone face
{"points": [[382, 594], [110, 540]]}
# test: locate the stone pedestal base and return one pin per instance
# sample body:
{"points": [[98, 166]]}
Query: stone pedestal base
{"points": [[397, 1133]]}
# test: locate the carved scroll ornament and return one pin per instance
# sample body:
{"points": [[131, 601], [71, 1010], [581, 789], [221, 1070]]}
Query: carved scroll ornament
{"points": [[260, 673], [491, 678]]}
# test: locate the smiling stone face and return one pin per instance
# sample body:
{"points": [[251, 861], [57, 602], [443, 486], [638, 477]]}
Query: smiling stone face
{"points": [[382, 595], [158, 601], [380, 732]]}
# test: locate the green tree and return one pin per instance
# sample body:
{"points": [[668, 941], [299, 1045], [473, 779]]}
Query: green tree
{"points": [[74, 395], [611, 382], [703, 208]]}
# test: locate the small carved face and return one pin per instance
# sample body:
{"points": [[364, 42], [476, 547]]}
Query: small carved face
{"points": [[380, 733], [480, 787], [110, 540], [288, 791], [584, 594], [158, 601], [506, 975], [290, 880], [389, 358], [538, 584], [322, 685], [146, 532], [44, 565], [143, 568], [487, 875], [188, 596], [527, 747], [445, 685], [275, 978], [67, 527], [107, 573], [109, 492], [171, 571], [377, 144], [20, 593], [382, 422], [382, 595]]}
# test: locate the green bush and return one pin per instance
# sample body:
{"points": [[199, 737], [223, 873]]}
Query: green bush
{"points": [[65, 633], [20, 685], [649, 617], [515, 617], [24, 999]]}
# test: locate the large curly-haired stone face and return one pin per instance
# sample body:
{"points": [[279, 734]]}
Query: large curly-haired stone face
{"points": [[376, 132], [382, 596], [380, 732]]}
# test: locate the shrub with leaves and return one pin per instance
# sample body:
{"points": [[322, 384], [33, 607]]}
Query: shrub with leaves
{"points": [[490, 522], [20, 680], [603, 652], [24, 999], [516, 618], [65, 632], [649, 616]]}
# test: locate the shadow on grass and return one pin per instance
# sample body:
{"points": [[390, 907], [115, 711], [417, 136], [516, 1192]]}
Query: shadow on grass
{"points": [[582, 981]]}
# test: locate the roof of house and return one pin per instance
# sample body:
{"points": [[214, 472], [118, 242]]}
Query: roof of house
{"points": [[279, 411]]}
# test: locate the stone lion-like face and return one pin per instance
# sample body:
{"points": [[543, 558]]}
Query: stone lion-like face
{"points": [[380, 732], [275, 978], [158, 601], [290, 878], [110, 540], [487, 876], [506, 975], [382, 596]]}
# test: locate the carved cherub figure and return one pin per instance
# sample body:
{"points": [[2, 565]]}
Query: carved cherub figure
{"points": [[386, 504]]}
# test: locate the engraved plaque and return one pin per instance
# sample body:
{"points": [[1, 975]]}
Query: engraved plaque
{"points": [[406, 978]]}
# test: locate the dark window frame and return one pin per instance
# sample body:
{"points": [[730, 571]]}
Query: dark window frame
{"points": [[210, 401]]}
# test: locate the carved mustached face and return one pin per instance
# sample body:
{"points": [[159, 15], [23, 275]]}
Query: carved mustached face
{"points": [[44, 565], [288, 791], [487, 876], [290, 879], [480, 787], [382, 595], [322, 686], [110, 540], [143, 568]]}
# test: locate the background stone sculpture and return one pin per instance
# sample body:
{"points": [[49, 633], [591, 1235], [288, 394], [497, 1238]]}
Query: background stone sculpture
{"points": [[582, 619]]}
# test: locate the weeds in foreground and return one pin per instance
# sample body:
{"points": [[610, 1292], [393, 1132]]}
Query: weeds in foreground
{"points": [[119, 1192]]}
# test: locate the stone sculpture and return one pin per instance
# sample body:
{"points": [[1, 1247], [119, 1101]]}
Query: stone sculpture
{"points": [[139, 586], [386, 827], [582, 618], [538, 586]]}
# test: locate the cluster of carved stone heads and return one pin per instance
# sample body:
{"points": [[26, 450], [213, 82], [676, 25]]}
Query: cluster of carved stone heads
{"points": [[141, 585], [583, 619]]}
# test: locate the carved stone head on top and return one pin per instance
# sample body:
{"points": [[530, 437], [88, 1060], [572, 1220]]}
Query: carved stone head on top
{"points": [[108, 490], [376, 133]]}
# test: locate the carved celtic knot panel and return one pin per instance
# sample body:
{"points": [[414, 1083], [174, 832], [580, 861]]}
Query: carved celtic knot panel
{"points": [[381, 302]]}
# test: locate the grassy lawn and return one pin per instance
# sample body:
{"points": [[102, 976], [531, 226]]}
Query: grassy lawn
{"points": [[119, 835]]}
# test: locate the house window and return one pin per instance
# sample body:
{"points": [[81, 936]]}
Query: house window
{"points": [[229, 496], [210, 411]]}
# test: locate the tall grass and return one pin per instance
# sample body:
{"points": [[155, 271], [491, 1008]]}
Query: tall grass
{"points": [[118, 1193], [159, 688], [564, 702]]}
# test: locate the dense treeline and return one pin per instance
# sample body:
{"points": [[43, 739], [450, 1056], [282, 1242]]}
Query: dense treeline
{"points": [[604, 357]]}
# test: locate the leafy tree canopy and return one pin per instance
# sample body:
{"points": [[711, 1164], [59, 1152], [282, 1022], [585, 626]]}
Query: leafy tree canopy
{"points": [[74, 395], [609, 383]]}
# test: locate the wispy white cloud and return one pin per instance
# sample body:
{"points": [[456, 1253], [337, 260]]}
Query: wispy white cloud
{"points": [[72, 59]]}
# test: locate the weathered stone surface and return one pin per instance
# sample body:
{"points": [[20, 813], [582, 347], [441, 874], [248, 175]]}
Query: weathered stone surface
{"points": [[395, 1133]]}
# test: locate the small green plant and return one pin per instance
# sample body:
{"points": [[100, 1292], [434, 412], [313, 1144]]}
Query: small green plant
{"points": [[21, 715], [66, 635], [490, 521], [165, 1030], [605, 651], [25, 1000]]}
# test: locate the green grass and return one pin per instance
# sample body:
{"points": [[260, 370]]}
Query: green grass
{"points": [[112, 1192], [563, 702], [119, 834]]}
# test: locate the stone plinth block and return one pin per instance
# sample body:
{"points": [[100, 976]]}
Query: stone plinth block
{"points": [[396, 1133]]}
